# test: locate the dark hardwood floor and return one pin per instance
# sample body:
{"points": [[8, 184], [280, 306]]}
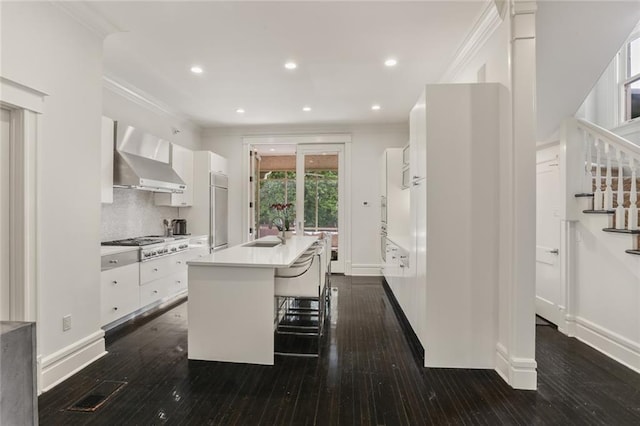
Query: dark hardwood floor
{"points": [[367, 375]]}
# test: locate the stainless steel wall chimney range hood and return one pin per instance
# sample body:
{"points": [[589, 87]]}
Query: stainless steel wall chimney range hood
{"points": [[143, 161]]}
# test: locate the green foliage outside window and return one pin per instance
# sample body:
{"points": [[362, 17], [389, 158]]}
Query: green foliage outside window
{"points": [[324, 183]]}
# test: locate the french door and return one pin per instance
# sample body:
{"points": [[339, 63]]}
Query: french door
{"points": [[320, 196]]}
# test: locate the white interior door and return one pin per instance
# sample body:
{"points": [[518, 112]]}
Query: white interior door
{"points": [[5, 284], [319, 172], [548, 291]]}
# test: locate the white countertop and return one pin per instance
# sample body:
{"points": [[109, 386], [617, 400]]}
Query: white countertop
{"points": [[107, 250], [280, 256]]}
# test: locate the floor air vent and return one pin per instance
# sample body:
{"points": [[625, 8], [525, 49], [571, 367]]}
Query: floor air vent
{"points": [[97, 396]]}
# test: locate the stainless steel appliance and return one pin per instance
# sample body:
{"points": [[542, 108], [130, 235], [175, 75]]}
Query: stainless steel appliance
{"points": [[383, 209], [179, 226], [218, 216], [383, 242], [142, 161], [152, 246]]}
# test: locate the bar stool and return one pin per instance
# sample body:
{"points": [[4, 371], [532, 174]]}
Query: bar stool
{"points": [[300, 292]]}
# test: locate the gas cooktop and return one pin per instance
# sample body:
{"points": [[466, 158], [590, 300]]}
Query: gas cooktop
{"points": [[139, 241], [142, 241]]}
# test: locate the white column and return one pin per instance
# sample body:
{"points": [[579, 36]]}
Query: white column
{"points": [[516, 346]]}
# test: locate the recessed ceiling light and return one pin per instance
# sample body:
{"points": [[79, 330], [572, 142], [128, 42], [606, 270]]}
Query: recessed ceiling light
{"points": [[375, 107], [240, 111], [306, 109], [391, 62], [272, 149], [196, 69], [291, 65]]}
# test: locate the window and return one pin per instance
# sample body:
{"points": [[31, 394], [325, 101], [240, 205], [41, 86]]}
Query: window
{"points": [[631, 78]]}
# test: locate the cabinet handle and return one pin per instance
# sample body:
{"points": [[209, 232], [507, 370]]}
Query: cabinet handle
{"points": [[115, 308], [179, 262], [155, 291], [178, 282], [155, 269], [113, 261], [115, 282], [184, 204]]}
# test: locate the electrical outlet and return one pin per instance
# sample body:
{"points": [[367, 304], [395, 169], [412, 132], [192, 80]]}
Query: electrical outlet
{"points": [[66, 322]]}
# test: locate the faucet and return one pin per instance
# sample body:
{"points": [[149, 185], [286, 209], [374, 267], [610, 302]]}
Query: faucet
{"points": [[280, 226]]}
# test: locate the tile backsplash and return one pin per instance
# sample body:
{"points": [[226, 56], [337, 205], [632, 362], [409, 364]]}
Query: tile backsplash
{"points": [[133, 214]]}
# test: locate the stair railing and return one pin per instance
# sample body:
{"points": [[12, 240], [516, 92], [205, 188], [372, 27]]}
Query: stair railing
{"points": [[609, 147]]}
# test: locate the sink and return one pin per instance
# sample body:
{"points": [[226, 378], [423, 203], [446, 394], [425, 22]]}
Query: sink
{"points": [[262, 244]]}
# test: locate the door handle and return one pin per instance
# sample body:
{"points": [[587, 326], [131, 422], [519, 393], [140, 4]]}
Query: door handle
{"points": [[554, 251]]}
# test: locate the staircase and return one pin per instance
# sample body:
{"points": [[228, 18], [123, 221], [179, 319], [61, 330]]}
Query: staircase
{"points": [[610, 176]]}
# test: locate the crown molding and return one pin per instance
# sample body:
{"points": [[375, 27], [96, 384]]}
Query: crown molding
{"points": [[485, 25], [141, 98], [85, 14]]}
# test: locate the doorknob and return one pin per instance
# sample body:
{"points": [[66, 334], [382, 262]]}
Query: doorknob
{"points": [[554, 251]]}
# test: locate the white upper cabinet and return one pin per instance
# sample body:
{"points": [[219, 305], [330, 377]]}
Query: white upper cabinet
{"points": [[417, 141], [106, 154], [218, 164], [182, 163]]}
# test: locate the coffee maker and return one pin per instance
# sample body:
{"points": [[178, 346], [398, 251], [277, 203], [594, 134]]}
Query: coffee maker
{"points": [[179, 226]]}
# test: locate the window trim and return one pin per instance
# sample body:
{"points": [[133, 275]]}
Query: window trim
{"points": [[623, 63]]}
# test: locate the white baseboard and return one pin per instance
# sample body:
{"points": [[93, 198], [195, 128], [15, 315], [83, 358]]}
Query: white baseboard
{"points": [[549, 311], [615, 346], [64, 363], [519, 373], [366, 270]]}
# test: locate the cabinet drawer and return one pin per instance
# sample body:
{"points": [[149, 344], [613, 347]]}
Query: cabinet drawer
{"points": [[197, 253], [153, 291], [119, 292], [165, 266], [177, 283]]}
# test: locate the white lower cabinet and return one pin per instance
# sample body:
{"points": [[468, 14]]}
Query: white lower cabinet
{"points": [[132, 287], [164, 277], [119, 291]]}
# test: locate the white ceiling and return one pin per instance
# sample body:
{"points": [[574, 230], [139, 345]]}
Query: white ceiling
{"points": [[340, 48]]}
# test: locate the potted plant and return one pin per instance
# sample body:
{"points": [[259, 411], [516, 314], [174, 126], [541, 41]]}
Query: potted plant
{"points": [[282, 211]]}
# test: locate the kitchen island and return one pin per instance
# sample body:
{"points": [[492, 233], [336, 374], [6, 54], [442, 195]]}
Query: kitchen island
{"points": [[231, 300]]}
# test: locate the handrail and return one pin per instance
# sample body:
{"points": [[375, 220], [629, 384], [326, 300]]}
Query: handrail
{"points": [[610, 147], [608, 135]]}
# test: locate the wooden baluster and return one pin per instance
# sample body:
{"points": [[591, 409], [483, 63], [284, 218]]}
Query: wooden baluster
{"points": [[588, 163], [608, 191], [620, 196], [633, 198], [597, 195]]}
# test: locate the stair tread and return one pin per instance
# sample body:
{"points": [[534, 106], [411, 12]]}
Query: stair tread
{"points": [[598, 211], [622, 231], [636, 252]]}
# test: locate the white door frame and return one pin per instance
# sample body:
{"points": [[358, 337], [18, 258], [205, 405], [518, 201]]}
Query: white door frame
{"points": [[303, 149], [25, 105], [550, 309], [333, 138]]}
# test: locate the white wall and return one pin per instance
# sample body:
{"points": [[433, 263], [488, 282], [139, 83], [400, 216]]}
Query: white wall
{"points": [[45, 49], [134, 213], [119, 108], [492, 57], [607, 295], [368, 143]]}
